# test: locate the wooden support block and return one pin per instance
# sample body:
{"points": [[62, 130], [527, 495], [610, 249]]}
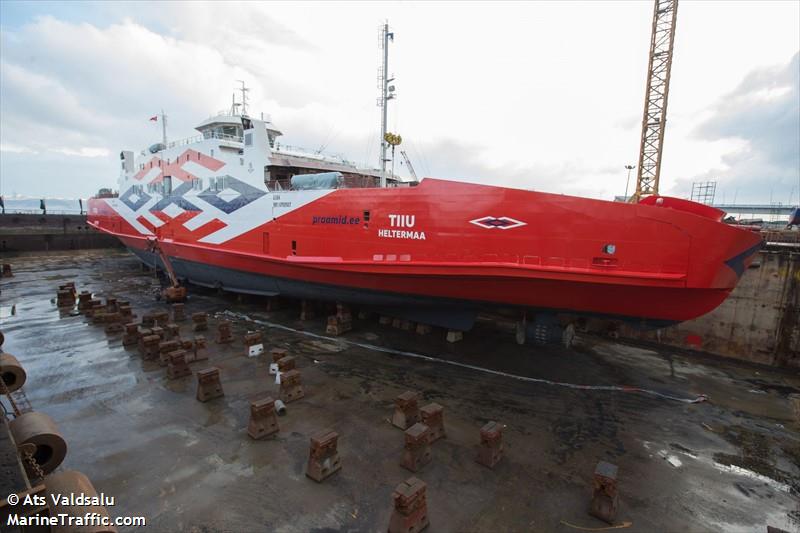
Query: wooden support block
{"points": [[200, 321], [410, 514], [177, 366], [454, 336], [178, 312], [291, 386], [424, 329], [433, 416], [263, 419], [209, 386], [224, 333], [406, 410], [417, 449], [490, 450], [286, 363], [323, 455], [278, 354]]}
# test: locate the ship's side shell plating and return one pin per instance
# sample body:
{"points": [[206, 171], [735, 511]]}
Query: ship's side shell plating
{"points": [[441, 241]]}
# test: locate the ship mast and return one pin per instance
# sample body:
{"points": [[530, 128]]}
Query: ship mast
{"points": [[164, 128], [244, 91], [387, 93]]}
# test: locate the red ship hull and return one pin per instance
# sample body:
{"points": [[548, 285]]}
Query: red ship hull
{"points": [[457, 245]]}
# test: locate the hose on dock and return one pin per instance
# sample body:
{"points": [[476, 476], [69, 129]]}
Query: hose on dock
{"points": [[383, 349]]}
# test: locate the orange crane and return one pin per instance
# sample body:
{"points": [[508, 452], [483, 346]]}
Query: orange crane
{"points": [[175, 292], [655, 99]]}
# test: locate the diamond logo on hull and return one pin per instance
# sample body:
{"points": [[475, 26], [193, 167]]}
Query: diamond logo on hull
{"points": [[497, 222]]}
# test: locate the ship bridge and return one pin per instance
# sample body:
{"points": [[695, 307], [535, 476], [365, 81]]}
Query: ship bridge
{"points": [[230, 127]]}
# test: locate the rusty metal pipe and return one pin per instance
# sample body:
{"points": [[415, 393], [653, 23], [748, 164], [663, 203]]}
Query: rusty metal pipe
{"points": [[39, 430], [11, 372], [69, 482]]}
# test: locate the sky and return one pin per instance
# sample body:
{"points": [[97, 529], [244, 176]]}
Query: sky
{"points": [[536, 95]]}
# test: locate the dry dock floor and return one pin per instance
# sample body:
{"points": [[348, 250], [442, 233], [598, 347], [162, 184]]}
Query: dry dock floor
{"points": [[728, 464]]}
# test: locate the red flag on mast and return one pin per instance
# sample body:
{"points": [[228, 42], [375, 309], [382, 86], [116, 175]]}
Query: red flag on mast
{"points": [[154, 118]]}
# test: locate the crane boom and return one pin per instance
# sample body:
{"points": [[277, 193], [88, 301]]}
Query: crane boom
{"points": [[655, 100], [408, 164]]}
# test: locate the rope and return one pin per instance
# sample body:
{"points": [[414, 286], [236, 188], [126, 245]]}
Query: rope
{"points": [[372, 347], [618, 526]]}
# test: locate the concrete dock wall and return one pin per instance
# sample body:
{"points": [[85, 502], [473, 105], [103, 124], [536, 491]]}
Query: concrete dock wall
{"points": [[759, 321], [38, 232]]}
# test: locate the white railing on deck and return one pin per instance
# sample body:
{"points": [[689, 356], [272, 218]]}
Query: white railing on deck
{"points": [[210, 135]]}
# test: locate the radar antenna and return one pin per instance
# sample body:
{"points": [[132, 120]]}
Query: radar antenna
{"points": [[244, 90]]}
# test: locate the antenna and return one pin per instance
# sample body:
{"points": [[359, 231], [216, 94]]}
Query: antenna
{"points": [[244, 91], [234, 105], [387, 93], [164, 128]]}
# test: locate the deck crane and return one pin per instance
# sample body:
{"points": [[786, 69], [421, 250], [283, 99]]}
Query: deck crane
{"points": [[655, 98], [408, 164]]}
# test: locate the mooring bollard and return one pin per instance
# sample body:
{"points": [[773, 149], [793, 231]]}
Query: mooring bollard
{"points": [[263, 419], [490, 450], [406, 410], [410, 513], [417, 448], [208, 384], [323, 455], [605, 497], [433, 416]]}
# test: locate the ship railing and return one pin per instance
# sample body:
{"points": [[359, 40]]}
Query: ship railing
{"points": [[39, 212], [207, 135], [288, 149]]}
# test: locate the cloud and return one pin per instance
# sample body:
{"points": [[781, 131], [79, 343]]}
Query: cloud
{"points": [[763, 114], [83, 151], [15, 149], [523, 105]]}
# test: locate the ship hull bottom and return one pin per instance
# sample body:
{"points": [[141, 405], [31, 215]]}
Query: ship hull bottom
{"points": [[450, 313]]}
